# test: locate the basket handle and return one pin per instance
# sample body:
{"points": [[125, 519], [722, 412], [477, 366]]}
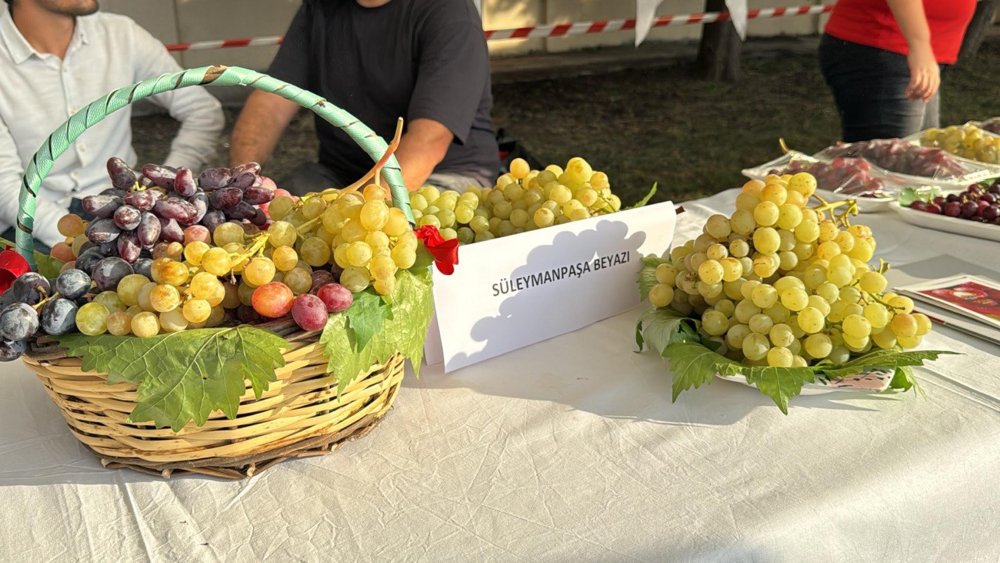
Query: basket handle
{"points": [[60, 140]]}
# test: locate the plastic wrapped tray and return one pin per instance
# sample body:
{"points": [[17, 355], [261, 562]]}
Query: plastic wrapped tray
{"points": [[911, 162]]}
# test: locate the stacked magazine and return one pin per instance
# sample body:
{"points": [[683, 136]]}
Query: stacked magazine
{"points": [[967, 303]]}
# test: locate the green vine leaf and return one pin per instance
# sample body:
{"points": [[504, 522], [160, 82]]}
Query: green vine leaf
{"points": [[365, 316], [184, 376], [882, 359], [403, 330]]}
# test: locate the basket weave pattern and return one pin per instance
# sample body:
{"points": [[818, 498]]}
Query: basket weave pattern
{"points": [[300, 415]]}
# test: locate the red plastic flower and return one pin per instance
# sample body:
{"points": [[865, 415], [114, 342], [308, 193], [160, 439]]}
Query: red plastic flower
{"points": [[445, 252], [12, 266]]}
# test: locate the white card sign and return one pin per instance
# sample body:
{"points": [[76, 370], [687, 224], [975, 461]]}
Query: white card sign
{"points": [[511, 292]]}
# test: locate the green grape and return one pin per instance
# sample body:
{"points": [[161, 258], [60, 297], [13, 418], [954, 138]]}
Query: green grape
{"points": [[258, 271], [285, 258], [431, 220], [872, 282], [820, 304], [779, 357], [794, 298], [718, 226], [856, 326], [709, 290], [923, 323], [742, 222], [810, 320], [129, 287], [355, 279], [818, 346], [396, 224], [216, 261], [194, 252], [661, 295], [196, 310], [788, 241], [766, 214], [299, 280], [480, 224], [142, 300], [173, 320], [725, 306], [710, 271], [788, 282], [765, 265], [778, 313], [145, 325], [903, 325], [111, 300], [755, 346], [732, 269], [666, 273], [899, 302], [245, 294], [714, 323], [119, 323], [280, 207], [766, 240], [877, 315], [760, 323], [359, 253], [747, 289], [92, 319], [807, 231], [716, 251], [466, 235], [280, 233], [313, 208], [164, 298], [227, 233], [857, 344], [789, 216], [764, 296], [744, 311], [736, 334], [781, 335], [738, 248], [884, 339], [316, 253]]}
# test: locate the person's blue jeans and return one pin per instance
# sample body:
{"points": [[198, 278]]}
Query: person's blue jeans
{"points": [[869, 87]]}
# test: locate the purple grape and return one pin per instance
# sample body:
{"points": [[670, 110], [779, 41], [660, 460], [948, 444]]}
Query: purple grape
{"points": [[309, 312], [969, 209], [251, 167], [952, 208], [953, 197], [109, 271], [59, 317], [144, 266], [88, 258], [129, 247], [11, 350], [225, 198], [30, 288], [101, 206], [243, 180], [143, 200], [241, 211], [122, 177], [109, 248], [990, 213], [171, 230], [148, 231], [200, 203], [919, 205], [214, 178], [336, 297], [127, 217], [102, 230], [321, 278], [184, 183], [213, 219], [995, 188], [161, 176], [73, 283], [258, 195], [113, 192], [176, 208], [18, 321], [260, 218], [933, 208]]}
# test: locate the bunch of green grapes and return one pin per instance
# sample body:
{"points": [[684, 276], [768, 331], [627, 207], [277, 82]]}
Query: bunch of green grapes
{"points": [[967, 141], [180, 296], [522, 200], [783, 285], [367, 239]]}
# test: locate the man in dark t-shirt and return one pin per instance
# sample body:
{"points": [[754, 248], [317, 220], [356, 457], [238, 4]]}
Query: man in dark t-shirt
{"points": [[423, 60]]}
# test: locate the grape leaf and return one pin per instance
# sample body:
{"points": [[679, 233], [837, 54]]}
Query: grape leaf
{"points": [[366, 316], [884, 359], [692, 365], [903, 379], [184, 376], [647, 275], [780, 384], [47, 265], [658, 328], [403, 330]]}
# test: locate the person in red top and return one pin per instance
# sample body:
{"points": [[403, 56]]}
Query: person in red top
{"points": [[883, 60]]}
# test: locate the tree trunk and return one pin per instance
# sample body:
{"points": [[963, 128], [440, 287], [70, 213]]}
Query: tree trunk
{"points": [[981, 23], [719, 52]]}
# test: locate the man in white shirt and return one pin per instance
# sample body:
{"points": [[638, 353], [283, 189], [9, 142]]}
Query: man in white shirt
{"points": [[57, 56]]}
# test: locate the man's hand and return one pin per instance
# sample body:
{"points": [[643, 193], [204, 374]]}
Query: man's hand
{"points": [[422, 147], [261, 123]]}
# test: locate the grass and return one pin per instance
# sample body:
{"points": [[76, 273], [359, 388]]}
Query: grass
{"points": [[665, 125]]}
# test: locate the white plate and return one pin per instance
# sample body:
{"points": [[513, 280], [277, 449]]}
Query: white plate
{"points": [[875, 381], [948, 224], [865, 204]]}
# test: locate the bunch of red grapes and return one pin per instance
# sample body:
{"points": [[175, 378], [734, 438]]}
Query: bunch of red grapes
{"points": [[849, 176], [977, 203], [900, 156]]}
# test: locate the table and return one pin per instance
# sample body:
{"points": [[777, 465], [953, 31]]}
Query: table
{"points": [[566, 450]]}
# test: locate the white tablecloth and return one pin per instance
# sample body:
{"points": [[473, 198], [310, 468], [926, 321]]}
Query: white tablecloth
{"points": [[566, 450]]}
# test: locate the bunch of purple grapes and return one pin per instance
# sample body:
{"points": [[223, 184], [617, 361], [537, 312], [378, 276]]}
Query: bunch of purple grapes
{"points": [[977, 203], [34, 305], [900, 156], [161, 204]]}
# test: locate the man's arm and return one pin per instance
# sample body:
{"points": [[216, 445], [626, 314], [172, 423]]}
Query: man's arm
{"points": [[261, 123], [925, 75], [47, 214], [421, 148]]}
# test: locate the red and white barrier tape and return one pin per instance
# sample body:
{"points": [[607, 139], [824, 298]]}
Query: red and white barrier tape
{"points": [[554, 30]]}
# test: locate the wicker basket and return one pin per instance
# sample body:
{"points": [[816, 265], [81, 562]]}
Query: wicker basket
{"points": [[300, 415]]}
